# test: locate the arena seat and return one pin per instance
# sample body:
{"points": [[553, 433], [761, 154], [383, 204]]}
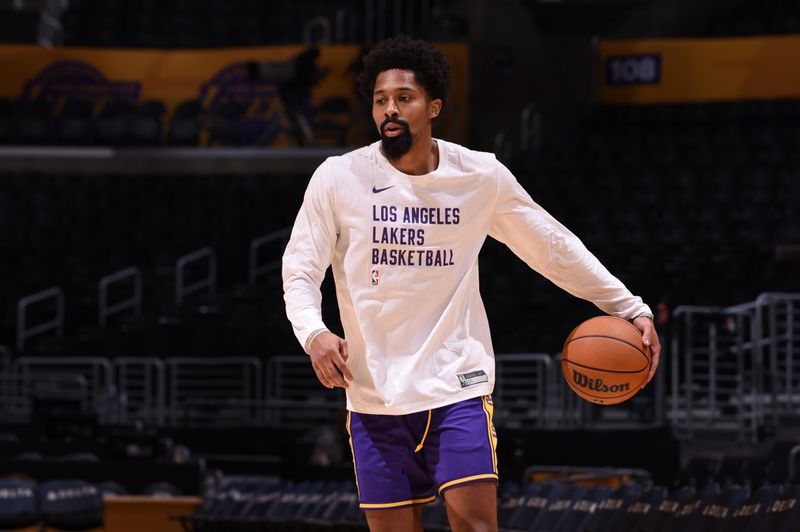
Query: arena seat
{"points": [[783, 514], [662, 514], [637, 510], [714, 512], [144, 125], [582, 510], [111, 127], [732, 470], [326, 509], [239, 502], [559, 508], [110, 488], [749, 515], [184, 127], [161, 489], [699, 470], [18, 506], [684, 515], [31, 121], [512, 502], [532, 509], [74, 126], [6, 128], [610, 512], [70, 505], [746, 17], [295, 500], [240, 23], [770, 466]]}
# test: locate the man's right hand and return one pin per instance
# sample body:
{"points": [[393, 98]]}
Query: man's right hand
{"points": [[329, 359]]}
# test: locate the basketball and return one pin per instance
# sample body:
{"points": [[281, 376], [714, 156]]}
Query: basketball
{"points": [[604, 360]]}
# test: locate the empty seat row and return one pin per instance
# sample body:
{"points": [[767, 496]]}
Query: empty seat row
{"points": [[672, 179], [185, 24], [61, 504], [242, 503]]}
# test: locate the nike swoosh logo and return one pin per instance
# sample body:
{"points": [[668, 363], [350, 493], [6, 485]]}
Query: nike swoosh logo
{"points": [[377, 190]]}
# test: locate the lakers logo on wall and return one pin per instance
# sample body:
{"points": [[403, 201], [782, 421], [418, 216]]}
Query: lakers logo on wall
{"points": [[240, 110], [77, 79]]}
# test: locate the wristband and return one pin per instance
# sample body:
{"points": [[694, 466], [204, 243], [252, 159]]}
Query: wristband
{"points": [[313, 335]]}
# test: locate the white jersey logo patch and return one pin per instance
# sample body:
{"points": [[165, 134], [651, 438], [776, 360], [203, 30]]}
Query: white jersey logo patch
{"points": [[473, 377]]}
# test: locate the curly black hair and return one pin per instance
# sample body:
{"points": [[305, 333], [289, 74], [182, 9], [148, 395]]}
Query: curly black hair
{"points": [[430, 66]]}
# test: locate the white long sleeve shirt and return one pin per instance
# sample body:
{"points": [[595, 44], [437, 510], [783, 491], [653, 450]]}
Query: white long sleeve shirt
{"points": [[404, 252]]}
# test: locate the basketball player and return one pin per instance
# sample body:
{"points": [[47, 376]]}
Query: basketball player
{"points": [[401, 222]]}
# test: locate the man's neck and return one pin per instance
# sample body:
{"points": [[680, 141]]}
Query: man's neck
{"points": [[421, 159]]}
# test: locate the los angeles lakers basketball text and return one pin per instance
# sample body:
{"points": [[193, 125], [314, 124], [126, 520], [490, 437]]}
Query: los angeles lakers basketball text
{"points": [[391, 235]]}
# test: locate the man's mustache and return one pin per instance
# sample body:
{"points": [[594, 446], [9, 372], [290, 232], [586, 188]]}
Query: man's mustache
{"points": [[392, 120]]}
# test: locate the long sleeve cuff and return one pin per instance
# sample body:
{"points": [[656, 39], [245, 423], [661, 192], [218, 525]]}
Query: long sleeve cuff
{"points": [[310, 338]]}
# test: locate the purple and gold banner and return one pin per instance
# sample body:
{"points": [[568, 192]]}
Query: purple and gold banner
{"points": [[686, 70], [211, 76]]}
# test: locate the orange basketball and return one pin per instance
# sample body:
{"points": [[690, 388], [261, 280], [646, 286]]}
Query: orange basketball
{"points": [[605, 361]]}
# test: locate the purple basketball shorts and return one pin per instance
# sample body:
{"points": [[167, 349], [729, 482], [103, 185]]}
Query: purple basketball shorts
{"points": [[410, 459]]}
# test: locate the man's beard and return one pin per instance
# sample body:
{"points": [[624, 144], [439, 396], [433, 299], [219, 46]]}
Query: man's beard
{"points": [[395, 147]]}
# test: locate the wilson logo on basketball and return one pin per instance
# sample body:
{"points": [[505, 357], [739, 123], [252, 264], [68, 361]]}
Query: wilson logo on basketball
{"points": [[597, 385]]}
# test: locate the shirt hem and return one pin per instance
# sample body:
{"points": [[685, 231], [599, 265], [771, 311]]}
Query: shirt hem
{"points": [[421, 406]]}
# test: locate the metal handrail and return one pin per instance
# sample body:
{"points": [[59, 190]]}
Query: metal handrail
{"points": [[343, 14], [135, 301], [375, 27], [369, 22], [530, 129], [5, 359], [54, 379], [255, 269], [502, 146], [785, 343], [793, 452], [179, 369], [25, 388], [290, 380], [57, 323], [768, 297], [153, 384], [311, 25], [95, 370], [50, 31], [763, 346], [210, 282], [543, 385], [5, 377], [683, 309]]}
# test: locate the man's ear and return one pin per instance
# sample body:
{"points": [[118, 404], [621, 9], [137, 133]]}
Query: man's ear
{"points": [[434, 108]]}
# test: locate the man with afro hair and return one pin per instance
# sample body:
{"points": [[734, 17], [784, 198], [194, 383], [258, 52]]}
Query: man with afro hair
{"points": [[401, 223]]}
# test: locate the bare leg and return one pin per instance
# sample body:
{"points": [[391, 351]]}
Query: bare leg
{"points": [[472, 507], [408, 519]]}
